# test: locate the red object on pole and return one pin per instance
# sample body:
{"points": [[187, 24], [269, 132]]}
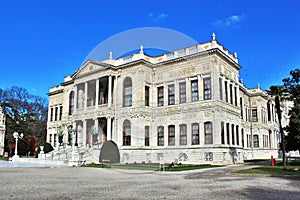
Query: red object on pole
{"points": [[272, 160]]}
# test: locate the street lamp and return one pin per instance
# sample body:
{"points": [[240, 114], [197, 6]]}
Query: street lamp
{"points": [[16, 136], [73, 159]]}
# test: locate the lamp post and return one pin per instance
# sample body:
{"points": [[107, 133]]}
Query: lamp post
{"points": [[16, 136], [73, 160]]}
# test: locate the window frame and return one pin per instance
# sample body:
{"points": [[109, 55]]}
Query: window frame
{"points": [[147, 136], [254, 115], [195, 134], [171, 135], [127, 92], [207, 88], [195, 90], [160, 136], [255, 141], [71, 103], [126, 130], [208, 132], [147, 95], [160, 96], [171, 94], [182, 92], [183, 134]]}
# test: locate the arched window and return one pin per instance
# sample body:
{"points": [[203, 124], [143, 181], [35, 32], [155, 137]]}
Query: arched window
{"points": [[71, 103], [160, 136], [195, 133], [208, 138], [126, 133], [127, 92]]}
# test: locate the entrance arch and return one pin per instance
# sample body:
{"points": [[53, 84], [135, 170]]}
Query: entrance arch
{"points": [[110, 151]]}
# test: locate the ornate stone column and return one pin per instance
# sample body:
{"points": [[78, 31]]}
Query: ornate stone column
{"points": [[109, 128], [75, 98], [85, 94], [109, 90], [97, 93], [188, 91], [200, 87], [84, 133]]}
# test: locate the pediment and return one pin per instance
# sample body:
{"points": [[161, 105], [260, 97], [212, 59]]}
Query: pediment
{"points": [[89, 67]]}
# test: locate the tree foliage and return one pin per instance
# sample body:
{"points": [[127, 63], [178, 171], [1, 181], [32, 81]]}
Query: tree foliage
{"points": [[292, 86], [279, 93], [25, 113]]}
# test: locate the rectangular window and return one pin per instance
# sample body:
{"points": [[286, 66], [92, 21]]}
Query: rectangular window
{"points": [[228, 133], [254, 115], [235, 96], [222, 133], [195, 133], [242, 109], [230, 93], [171, 95], [194, 84], [255, 141], [221, 88], [237, 135], [60, 112], [147, 95], [183, 134], [160, 96], [207, 88], [171, 134], [208, 133], [51, 114], [147, 136], [232, 134], [182, 92], [243, 141], [160, 136], [226, 91], [56, 113], [269, 112]]}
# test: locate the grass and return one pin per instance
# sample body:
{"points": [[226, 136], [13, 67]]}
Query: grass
{"points": [[256, 160], [293, 169], [4, 158], [152, 167], [189, 167]]}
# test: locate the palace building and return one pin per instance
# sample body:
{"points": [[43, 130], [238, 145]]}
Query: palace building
{"points": [[187, 106]]}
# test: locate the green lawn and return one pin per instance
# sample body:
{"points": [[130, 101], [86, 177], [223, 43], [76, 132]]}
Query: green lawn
{"points": [[293, 169], [152, 167]]}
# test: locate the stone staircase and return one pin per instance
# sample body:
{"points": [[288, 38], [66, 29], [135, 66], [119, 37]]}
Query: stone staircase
{"points": [[82, 155]]}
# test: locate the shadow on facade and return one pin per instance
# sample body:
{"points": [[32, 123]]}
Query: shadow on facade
{"points": [[109, 152]]}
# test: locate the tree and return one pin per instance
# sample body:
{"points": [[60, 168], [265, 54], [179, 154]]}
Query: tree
{"points": [[292, 86], [25, 113], [279, 93]]}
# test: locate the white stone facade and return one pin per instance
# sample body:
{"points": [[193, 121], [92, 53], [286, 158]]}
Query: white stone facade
{"points": [[187, 105], [2, 131]]}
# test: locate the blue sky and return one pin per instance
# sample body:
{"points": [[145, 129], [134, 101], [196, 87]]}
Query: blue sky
{"points": [[43, 41]]}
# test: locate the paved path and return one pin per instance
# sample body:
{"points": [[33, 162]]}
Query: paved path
{"points": [[94, 183]]}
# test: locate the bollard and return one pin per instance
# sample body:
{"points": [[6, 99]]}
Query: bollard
{"points": [[272, 160]]}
